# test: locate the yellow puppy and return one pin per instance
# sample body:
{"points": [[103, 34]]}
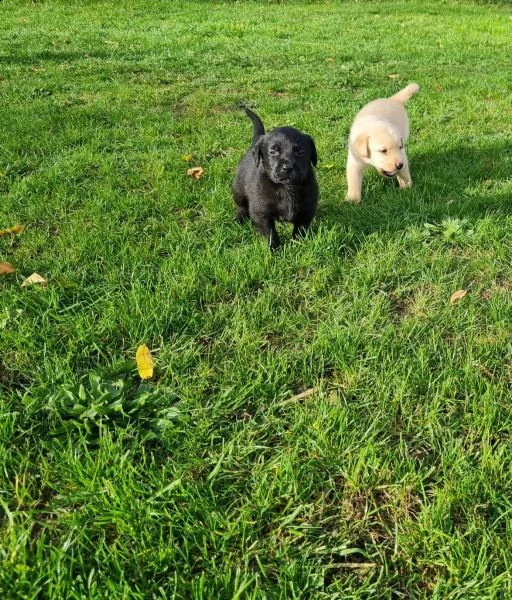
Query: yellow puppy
{"points": [[377, 139]]}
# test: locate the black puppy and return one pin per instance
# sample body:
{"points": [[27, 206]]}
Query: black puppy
{"points": [[275, 180]]}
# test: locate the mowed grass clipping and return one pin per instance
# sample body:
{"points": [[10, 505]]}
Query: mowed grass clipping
{"points": [[322, 422]]}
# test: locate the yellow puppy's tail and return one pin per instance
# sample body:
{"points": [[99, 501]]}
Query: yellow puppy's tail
{"points": [[404, 95]]}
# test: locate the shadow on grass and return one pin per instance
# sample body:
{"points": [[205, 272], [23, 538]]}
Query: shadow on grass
{"points": [[462, 182]]}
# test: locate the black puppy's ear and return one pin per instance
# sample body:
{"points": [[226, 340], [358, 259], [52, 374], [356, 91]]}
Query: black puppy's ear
{"points": [[314, 156], [256, 152]]}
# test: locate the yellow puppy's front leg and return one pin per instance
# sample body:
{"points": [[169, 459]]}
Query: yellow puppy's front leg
{"points": [[403, 176], [354, 180]]}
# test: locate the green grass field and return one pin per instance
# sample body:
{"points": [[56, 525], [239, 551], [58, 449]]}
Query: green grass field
{"points": [[390, 477]]}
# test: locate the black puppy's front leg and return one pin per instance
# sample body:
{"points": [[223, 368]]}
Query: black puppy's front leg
{"points": [[266, 226], [303, 220], [242, 214], [300, 226], [299, 231]]}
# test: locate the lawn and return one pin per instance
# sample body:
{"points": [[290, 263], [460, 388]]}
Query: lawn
{"points": [[322, 421]]}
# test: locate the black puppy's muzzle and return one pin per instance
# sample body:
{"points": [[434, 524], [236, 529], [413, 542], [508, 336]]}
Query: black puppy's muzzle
{"points": [[287, 172]]}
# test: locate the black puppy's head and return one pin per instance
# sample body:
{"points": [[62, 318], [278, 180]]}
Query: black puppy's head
{"points": [[286, 154]]}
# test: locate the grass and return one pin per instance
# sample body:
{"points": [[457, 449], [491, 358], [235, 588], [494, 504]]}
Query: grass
{"points": [[391, 478]]}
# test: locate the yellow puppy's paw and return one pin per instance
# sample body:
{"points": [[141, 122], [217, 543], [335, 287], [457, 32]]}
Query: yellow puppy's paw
{"points": [[405, 184]]}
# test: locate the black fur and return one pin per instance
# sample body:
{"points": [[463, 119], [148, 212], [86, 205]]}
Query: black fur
{"points": [[275, 180]]}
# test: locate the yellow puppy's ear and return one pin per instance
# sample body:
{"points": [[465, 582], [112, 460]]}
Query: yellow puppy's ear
{"points": [[360, 145]]}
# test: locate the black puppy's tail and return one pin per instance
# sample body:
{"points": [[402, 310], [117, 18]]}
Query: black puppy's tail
{"points": [[259, 129]]}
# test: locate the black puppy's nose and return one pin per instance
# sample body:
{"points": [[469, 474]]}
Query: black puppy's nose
{"points": [[286, 167], [400, 165]]}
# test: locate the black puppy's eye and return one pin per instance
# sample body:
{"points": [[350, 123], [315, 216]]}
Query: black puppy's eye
{"points": [[298, 150], [274, 151], [383, 150]]}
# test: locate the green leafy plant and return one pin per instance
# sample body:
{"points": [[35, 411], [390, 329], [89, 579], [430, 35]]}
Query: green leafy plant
{"points": [[450, 230], [95, 404]]}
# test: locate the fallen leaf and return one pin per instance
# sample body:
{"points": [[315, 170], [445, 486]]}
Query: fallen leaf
{"points": [[144, 362], [196, 172], [393, 76], [359, 565], [6, 268], [34, 278], [456, 296], [187, 157], [301, 396], [9, 230], [485, 371], [329, 166]]}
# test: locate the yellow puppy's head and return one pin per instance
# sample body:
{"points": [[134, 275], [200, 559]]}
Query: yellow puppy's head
{"points": [[383, 148]]}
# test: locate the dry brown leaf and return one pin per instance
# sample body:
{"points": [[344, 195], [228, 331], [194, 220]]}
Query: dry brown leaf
{"points": [[9, 230], [361, 565], [196, 172], [6, 268], [456, 296], [144, 362], [301, 396], [33, 279]]}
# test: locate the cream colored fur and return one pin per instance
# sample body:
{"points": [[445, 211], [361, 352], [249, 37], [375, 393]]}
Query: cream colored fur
{"points": [[377, 139]]}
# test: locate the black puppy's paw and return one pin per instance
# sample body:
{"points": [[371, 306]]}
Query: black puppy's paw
{"points": [[241, 215], [299, 232], [273, 241]]}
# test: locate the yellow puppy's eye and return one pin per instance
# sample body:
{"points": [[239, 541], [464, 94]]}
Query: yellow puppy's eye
{"points": [[383, 150]]}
